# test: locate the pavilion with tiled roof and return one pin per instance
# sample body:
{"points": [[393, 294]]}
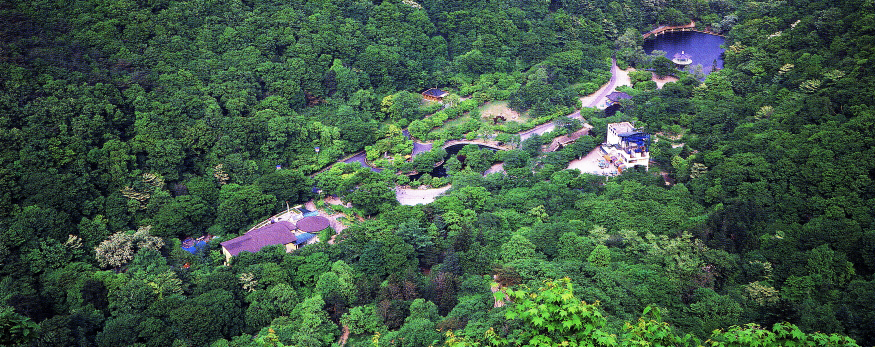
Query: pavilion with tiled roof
{"points": [[278, 233], [615, 97], [435, 94]]}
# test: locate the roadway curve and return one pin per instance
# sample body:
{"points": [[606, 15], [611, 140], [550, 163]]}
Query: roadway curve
{"points": [[600, 94], [604, 91]]}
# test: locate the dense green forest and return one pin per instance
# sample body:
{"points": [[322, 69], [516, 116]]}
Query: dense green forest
{"points": [[128, 125]]}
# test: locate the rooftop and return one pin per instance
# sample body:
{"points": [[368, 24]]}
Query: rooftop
{"points": [[621, 128], [435, 92], [313, 224], [279, 233], [303, 238], [617, 96]]}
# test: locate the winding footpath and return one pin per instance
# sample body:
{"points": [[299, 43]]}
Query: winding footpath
{"points": [[618, 77]]}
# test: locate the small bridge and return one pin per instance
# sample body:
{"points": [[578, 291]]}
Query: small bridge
{"points": [[488, 143], [675, 28]]}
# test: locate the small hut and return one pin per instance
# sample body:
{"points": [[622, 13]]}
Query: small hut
{"points": [[435, 94]]}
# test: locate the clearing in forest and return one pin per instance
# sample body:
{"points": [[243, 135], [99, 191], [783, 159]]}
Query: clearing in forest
{"points": [[499, 108]]}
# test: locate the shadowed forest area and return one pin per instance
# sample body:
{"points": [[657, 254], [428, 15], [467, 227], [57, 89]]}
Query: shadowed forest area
{"points": [[127, 126]]}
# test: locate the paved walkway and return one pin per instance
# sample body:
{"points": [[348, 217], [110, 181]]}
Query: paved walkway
{"points": [[590, 164], [411, 197]]}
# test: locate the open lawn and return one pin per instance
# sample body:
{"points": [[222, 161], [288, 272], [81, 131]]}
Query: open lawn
{"points": [[500, 108]]}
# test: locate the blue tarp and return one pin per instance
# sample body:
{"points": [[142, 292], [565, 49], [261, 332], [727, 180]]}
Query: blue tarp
{"points": [[303, 238], [197, 247]]}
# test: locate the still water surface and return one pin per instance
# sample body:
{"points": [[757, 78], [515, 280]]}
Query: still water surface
{"points": [[703, 48]]}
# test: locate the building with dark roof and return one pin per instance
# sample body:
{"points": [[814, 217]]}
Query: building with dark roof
{"points": [[279, 233], [435, 94], [313, 224], [615, 97]]}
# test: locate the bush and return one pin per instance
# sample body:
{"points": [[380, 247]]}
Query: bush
{"points": [[467, 105], [588, 88]]}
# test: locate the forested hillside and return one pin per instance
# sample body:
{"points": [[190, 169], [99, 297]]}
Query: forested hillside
{"points": [[127, 126]]}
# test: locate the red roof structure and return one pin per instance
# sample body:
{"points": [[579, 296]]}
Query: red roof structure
{"points": [[313, 224], [279, 233]]}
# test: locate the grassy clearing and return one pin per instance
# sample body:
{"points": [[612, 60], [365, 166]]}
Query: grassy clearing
{"points": [[500, 108]]}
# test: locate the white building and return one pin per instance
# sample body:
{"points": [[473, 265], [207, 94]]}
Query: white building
{"points": [[614, 131], [627, 145]]}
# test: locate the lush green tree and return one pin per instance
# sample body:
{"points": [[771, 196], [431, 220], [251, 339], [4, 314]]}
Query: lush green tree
{"points": [[242, 205], [286, 185], [372, 197], [308, 325], [600, 256], [554, 315], [184, 216], [17, 329], [518, 248]]}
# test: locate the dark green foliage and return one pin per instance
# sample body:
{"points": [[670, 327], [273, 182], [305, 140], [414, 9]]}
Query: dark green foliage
{"points": [[239, 205], [117, 115], [16, 329], [183, 216], [289, 186]]}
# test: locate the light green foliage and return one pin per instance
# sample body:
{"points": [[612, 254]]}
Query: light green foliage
{"points": [[600, 256], [554, 316], [782, 334], [651, 330], [362, 320], [122, 246], [518, 248]]}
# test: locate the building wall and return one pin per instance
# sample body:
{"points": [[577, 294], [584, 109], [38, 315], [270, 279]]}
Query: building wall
{"points": [[227, 254], [612, 138]]}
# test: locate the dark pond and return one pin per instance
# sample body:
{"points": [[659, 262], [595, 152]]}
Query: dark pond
{"points": [[440, 171], [703, 48]]}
